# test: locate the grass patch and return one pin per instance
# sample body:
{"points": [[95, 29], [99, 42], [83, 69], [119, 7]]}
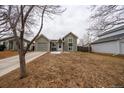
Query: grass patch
{"points": [[75, 69]]}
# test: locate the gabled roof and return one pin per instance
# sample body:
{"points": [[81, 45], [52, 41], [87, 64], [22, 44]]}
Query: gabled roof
{"points": [[12, 37], [69, 34], [108, 39], [56, 39], [113, 30], [42, 36]]}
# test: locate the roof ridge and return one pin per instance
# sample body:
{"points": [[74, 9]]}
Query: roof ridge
{"points": [[111, 38], [112, 30]]}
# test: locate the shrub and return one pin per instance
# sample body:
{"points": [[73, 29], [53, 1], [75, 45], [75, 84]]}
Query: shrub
{"points": [[2, 47]]}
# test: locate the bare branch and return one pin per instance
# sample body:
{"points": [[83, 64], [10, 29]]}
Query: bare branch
{"points": [[41, 26], [27, 14], [106, 17]]}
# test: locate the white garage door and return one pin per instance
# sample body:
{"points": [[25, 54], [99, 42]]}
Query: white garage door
{"points": [[106, 47], [42, 47], [122, 48]]}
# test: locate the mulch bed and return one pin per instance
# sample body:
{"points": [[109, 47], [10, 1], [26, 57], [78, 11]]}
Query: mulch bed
{"points": [[5, 54]]}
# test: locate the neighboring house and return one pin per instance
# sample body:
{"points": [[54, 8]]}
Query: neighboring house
{"points": [[10, 43], [110, 42], [66, 43]]}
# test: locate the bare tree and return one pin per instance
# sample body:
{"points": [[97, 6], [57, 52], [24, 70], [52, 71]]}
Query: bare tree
{"points": [[19, 20], [81, 42], [106, 17], [87, 39]]}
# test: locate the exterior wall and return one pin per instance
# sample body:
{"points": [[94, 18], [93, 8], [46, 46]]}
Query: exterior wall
{"points": [[1, 42], [55, 47], [112, 34], [107, 47], [66, 42], [64, 45], [14, 46], [42, 40], [60, 49], [25, 44], [7, 44], [122, 46]]}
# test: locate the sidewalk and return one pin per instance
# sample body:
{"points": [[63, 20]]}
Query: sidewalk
{"points": [[11, 63]]}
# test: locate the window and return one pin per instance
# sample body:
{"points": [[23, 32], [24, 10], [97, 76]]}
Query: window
{"points": [[53, 44], [70, 40], [70, 46]]}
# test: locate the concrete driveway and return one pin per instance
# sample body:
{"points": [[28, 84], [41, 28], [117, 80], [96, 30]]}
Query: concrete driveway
{"points": [[11, 63]]}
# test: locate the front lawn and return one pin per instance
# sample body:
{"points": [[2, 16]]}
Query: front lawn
{"points": [[74, 69], [5, 54]]}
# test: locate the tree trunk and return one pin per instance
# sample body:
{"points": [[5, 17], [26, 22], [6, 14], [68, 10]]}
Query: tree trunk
{"points": [[22, 65]]}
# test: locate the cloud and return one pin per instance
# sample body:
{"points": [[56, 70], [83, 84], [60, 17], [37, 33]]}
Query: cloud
{"points": [[74, 19]]}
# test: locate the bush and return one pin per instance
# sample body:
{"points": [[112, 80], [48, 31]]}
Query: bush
{"points": [[2, 47]]}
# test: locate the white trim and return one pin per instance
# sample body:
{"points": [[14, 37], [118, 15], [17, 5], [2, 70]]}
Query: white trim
{"points": [[70, 38], [72, 47]]}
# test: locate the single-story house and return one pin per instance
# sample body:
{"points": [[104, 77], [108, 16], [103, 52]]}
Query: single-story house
{"points": [[66, 43], [10, 43], [111, 42]]}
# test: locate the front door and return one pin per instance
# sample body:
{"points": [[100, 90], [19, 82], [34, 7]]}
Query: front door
{"points": [[59, 46]]}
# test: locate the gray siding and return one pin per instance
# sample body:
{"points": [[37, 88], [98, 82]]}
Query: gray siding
{"points": [[10, 43], [14, 46], [66, 47], [44, 42]]}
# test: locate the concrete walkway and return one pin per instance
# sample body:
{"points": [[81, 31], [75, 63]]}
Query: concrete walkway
{"points": [[56, 52], [11, 63]]}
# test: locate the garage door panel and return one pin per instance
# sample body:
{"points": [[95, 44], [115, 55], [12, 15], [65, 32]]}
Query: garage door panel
{"points": [[42, 46], [106, 47]]}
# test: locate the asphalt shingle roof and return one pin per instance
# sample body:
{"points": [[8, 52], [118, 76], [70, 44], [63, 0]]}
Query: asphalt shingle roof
{"points": [[112, 38], [113, 30], [12, 37]]}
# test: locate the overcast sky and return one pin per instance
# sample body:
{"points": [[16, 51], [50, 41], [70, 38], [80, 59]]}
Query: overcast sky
{"points": [[74, 19]]}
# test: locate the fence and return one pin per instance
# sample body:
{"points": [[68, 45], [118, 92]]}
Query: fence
{"points": [[83, 49]]}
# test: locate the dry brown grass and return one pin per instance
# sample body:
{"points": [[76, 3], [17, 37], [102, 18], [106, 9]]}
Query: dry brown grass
{"points": [[74, 69], [5, 54]]}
